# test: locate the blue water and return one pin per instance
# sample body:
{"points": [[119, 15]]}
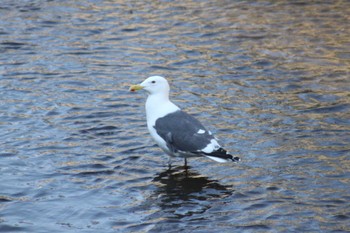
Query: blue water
{"points": [[270, 78]]}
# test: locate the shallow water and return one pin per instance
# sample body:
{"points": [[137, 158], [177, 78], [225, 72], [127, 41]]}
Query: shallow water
{"points": [[271, 79]]}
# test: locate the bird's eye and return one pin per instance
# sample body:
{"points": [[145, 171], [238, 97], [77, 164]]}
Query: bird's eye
{"points": [[153, 81]]}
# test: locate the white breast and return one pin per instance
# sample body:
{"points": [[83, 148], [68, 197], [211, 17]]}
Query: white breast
{"points": [[156, 108]]}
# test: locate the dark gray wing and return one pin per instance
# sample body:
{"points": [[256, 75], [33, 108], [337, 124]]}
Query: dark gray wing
{"points": [[182, 132]]}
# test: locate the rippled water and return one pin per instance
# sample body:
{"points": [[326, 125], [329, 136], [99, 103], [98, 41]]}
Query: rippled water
{"points": [[270, 78]]}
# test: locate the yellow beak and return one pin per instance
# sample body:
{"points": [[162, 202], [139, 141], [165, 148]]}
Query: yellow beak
{"points": [[135, 87]]}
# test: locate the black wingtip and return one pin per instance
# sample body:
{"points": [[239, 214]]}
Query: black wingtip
{"points": [[236, 159], [222, 154]]}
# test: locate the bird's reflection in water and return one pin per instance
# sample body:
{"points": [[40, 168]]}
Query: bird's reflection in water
{"points": [[179, 185], [181, 196]]}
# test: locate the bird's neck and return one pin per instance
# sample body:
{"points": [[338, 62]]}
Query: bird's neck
{"points": [[158, 105]]}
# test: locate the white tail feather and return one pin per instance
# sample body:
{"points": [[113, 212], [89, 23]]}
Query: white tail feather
{"points": [[220, 160]]}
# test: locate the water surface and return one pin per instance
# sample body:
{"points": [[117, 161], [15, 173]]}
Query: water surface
{"points": [[271, 79]]}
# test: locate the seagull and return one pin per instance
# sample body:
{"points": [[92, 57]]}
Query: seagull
{"points": [[176, 132]]}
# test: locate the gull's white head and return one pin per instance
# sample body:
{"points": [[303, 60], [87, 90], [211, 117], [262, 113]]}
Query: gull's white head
{"points": [[153, 85]]}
